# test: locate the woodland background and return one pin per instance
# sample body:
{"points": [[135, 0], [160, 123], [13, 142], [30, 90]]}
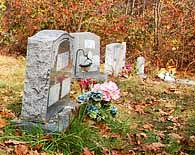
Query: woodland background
{"points": [[161, 30]]}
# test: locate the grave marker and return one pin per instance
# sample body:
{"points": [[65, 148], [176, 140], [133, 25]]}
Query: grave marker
{"points": [[115, 58], [48, 79], [89, 45], [140, 67]]}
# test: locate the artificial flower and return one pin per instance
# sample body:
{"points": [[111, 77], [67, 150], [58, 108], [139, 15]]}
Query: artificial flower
{"points": [[86, 84], [109, 90], [96, 96], [113, 111]]}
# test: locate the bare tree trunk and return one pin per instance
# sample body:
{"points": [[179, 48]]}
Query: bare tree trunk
{"points": [[127, 7], [144, 7], [132, 7], [81, 18], [157, 18]]}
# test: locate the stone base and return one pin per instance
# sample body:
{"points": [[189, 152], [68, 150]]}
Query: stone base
{"points": [[94, 75], [57, 123]]}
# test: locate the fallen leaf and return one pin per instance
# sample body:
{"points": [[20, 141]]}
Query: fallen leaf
{"points": [[105, 151], [171, 89], [139, 109], [87, 152], [37, 147], [119, 153], [155, 147], [7, 113], [148, 126], [2, 123], [14, 142], [104, 129], [143, 135], [192, 138], [21, 149], [115, 135], [131, 152], [175, 136]]}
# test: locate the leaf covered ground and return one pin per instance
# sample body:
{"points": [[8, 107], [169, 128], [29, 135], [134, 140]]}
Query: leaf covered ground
{"points": [[154, 118]]}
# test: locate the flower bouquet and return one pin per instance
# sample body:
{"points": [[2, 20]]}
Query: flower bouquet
{"points": [[99, 100]]}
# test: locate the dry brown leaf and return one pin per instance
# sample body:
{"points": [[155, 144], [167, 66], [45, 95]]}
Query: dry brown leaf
{"points": [[192, 138], [143, 135], [105, 151], [131, 152], [104, 129], [7, 113], [115, 135], [35, 153], [125, 93], [119, 153], [163, 113], [175, 136], [37, 147], [14, 142], [87, 152], [2, 123], [139, 109], [148, 126], [155, 147], [21, 149], [171, 89], [1, 132]]}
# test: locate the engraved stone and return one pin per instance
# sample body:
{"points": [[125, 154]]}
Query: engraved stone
{"points": [[115, 58], [48, 78], [90, 43]]}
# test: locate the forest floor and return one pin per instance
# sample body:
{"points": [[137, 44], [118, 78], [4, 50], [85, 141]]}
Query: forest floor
{"points": [[154, 117]]}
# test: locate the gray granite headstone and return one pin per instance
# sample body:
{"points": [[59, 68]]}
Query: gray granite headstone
{"points": [[48, 78], [115, 58], [140, 67], [90, 43]]}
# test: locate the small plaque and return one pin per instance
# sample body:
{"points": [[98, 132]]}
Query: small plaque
{"points": [[90, 43], [54, 94], [65, 87], [62, 61]]}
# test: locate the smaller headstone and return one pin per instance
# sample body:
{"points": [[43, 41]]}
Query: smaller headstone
{"points": [[89, 53], [140, 67], [48, 79], [115, 58]]}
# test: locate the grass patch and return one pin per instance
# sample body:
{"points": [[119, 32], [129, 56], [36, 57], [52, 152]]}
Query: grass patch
{"points": [[147, 110]]}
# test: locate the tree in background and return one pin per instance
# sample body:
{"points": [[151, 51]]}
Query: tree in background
{"points": [[161, 30]]}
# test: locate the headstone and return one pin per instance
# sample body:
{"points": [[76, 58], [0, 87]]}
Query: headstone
{"points": [[140, 67], [115, 58], [89, 43], [48, 78]]}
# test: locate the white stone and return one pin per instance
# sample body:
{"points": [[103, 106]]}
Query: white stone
{"points": [[140, 67], [115, 58]]}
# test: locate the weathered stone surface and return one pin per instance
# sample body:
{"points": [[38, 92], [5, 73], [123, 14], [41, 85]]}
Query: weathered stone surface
{"points": [[115, 58], [140, 67], [48, 76], [90, 43]]}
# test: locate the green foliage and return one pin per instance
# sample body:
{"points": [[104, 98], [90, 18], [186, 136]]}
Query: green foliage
{"points": [[173, 147], [72, 141], [118, 126]]}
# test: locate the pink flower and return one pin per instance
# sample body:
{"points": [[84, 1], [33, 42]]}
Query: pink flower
{"points": [[109, 90]]}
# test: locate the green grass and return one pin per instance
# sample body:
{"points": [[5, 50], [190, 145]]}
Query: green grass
{"points": [[123, 134], [72, 141]]}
